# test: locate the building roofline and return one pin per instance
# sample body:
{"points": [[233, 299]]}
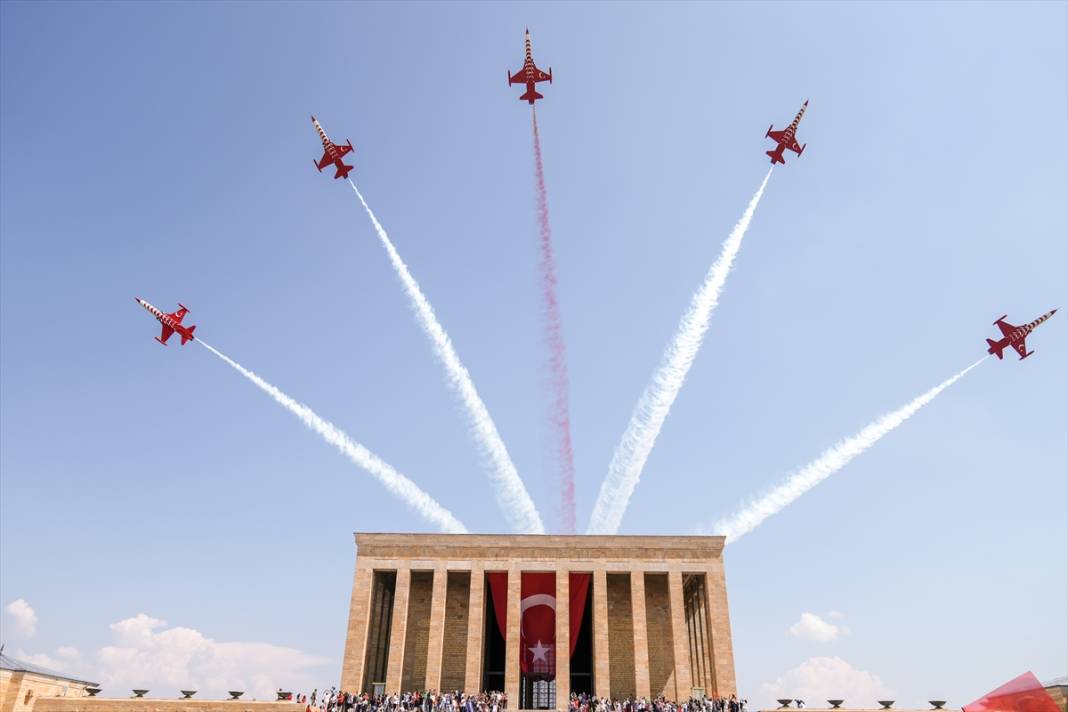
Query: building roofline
{"points": [[631, 545], [13, 665]]}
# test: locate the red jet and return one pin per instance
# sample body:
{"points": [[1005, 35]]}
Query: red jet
{"points": [[530, 75], [171, 322], [332, 153], [787, 138], [1014, 336]]}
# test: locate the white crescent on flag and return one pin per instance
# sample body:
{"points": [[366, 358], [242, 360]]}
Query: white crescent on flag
{"points": [[538, 624], [538, 599]]}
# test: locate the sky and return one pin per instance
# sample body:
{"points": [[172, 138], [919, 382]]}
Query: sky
{"points": [[163, 522]]}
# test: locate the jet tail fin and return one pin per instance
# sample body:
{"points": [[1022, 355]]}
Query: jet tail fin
{"points": [[342, 171], [188, 335], [996, 348], [531, 96], [776, 156]]}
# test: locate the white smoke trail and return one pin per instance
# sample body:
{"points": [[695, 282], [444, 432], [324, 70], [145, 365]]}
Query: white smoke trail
{"points": [[512, 496], [633, 450], [394, 481], [753, 513]]}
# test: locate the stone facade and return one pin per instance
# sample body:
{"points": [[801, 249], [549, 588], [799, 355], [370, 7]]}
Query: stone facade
{"points": [[620, 636], [454, 647], [417, 637], [657, 613], [147, 704], [21, 689], [1059, 693], [661, 642]]}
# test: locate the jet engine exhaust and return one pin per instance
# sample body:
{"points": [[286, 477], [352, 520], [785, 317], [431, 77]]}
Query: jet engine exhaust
{"points": [[753, 513], [393, 481], [652, 409], [554, 335], [512, 495]]}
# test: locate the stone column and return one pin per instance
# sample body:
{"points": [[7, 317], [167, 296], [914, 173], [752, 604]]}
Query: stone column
{"points": [[511, 653], [702, 646], [398, 631], [720, 622], [436, 636], [641, 634], [601, 680], [563, 639], [476, 623], [356, 638], [680, 637]]}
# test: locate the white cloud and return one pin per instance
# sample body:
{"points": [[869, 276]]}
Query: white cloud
{"points": [[24, 618], [145, 653], [812, 627], [819, 679], [42, 659], [68, 653], [67, 659]]}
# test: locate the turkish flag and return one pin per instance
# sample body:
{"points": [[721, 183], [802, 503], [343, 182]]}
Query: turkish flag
{"points": [[537, 616], [1023, 694], [537, 624]]}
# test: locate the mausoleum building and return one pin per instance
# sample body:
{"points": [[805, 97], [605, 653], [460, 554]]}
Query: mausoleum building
{"points": [[540, 616]]}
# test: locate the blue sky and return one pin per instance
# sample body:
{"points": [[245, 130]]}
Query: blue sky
{"points": [[163, 151]]}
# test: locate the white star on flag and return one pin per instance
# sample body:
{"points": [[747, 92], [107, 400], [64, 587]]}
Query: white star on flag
{"points": [[540, 651]]}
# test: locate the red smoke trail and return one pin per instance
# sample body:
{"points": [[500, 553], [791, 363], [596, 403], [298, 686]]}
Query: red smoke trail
{"points": [[561, 414]]}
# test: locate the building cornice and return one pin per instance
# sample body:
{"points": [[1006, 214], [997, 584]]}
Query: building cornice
{"points": [[537, 546]]}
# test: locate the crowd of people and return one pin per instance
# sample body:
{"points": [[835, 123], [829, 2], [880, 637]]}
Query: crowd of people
{"points": [[588, 703], [334, 700]]}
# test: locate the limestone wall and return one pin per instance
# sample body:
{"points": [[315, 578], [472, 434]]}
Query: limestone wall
{"points": [[454, 658], [105, 704], [417, 637], [1059, 693], [661, 642], [620, 637], [20, 691]]}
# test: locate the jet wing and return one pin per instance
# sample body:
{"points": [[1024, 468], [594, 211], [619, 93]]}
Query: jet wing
{"points": [[167, 331], [795, 146], [325, 161], [1021, 348], [519, 77], [342, 150], [1006, 327], [776, 136], [540, 76]]}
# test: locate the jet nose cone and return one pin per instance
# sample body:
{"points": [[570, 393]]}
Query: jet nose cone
{"points": [[806, 102], [313, 117]]}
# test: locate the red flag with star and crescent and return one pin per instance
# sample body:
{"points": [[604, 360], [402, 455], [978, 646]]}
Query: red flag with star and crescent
{"points": [[537, 617], [537, 624]]}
